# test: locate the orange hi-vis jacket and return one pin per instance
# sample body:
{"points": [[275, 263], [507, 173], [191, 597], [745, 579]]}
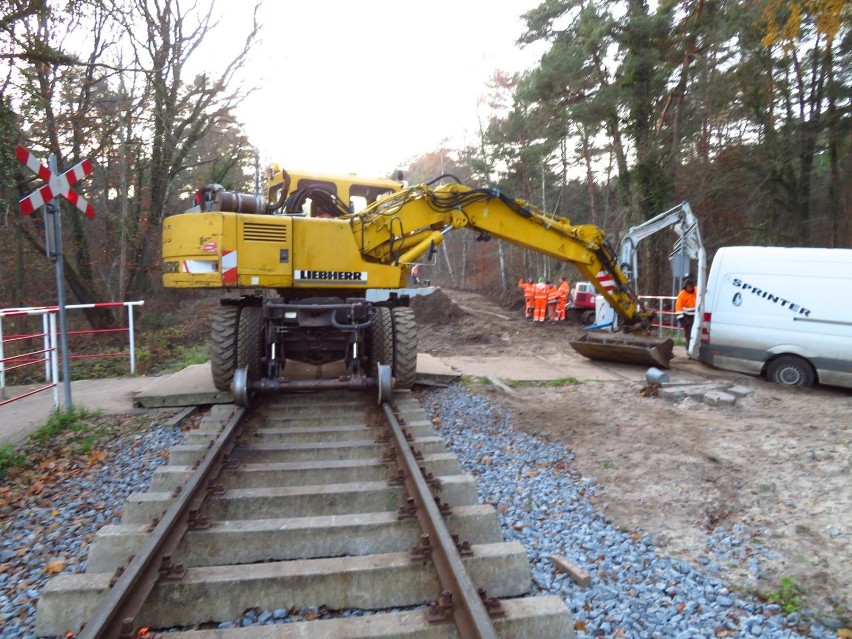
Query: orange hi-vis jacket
{"points": [[540, 297], [563, 290], [685, 302], [529, 294], [528, 288], [552, 295]]}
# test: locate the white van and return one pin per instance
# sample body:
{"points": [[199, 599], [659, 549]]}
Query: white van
{"points": [[785, 313]]}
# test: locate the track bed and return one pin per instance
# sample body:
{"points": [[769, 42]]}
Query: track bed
{"points": [[314, 507]]}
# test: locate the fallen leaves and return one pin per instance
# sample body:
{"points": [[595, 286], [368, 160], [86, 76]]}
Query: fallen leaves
{"points": [[55, 567], [96, 457]]}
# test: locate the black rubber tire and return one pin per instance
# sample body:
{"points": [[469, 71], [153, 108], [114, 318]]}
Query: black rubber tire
{"points": [[223, 345], [405, 347], [587, 317], [381, 338], [790, 370], [250, 341]]}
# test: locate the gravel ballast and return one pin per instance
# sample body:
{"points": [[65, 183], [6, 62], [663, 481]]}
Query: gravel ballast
{"points": [[635, 590], [542, 501], [56, 528]]}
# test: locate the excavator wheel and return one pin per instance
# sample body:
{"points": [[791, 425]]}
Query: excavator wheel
{"points": [[381, 337], [405, 347], [223, 345], [249, 341]]}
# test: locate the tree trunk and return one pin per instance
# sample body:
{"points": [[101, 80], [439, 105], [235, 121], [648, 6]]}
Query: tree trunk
{"points": [[446, 253], [504, 282], [590, 176]]}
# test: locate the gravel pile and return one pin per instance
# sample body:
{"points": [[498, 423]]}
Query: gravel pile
{"points": [[635, 591], [53, 534]]}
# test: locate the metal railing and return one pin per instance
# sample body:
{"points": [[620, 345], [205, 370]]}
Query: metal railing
{"points": [[48, 354], [666, 316]]}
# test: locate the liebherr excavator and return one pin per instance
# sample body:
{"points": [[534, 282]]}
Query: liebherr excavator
{"points": [[315, 280]]}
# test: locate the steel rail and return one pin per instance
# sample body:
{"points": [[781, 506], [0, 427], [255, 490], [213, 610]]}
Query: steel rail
{"points": [[115, 615], [469, 612]]}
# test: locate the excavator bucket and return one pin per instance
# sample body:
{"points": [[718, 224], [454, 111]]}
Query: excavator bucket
{"points": [[625, 349]]}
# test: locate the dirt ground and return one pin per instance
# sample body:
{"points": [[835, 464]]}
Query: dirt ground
{"points": [[776, 467]]}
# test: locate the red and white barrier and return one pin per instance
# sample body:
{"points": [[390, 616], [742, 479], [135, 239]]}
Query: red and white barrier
{"points": [[49, 353]]}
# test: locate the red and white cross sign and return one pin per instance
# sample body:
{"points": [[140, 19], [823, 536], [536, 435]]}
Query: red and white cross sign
{"points": [[55, 184]]}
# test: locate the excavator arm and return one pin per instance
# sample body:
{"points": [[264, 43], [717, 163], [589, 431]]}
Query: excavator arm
{"points": [[404, 227]]}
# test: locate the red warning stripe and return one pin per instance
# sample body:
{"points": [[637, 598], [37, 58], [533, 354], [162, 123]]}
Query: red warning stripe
{"points": [[605, 280], [229, 267]]}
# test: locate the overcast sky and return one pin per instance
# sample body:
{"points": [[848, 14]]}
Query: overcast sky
{"points": [[361, 86]]}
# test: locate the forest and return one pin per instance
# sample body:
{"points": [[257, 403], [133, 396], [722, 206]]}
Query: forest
{"points": [[740, 107]]}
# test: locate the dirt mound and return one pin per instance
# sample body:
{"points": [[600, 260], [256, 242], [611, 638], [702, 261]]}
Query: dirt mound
{"points": [[466, 323], [435, 309]]}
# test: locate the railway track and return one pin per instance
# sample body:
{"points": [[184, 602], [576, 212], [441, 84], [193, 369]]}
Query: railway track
{"points": [[306, 502]]}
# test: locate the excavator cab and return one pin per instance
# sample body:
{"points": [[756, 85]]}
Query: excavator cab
{"points": [[354, 192]]}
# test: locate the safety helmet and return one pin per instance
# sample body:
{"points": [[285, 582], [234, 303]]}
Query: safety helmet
{"points": [[540, 280]]}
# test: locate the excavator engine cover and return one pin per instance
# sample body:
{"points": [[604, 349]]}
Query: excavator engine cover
{"points": [[625, 349]]}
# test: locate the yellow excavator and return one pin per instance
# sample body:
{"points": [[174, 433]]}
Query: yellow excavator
{"points": [[319, 274]]}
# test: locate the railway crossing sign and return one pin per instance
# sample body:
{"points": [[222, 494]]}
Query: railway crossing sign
{"points": [[56, 184]]}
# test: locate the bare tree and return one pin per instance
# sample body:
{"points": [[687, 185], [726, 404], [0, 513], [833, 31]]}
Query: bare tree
{"points": [[183, 110]]}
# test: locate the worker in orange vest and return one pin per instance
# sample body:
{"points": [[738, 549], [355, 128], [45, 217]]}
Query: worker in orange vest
{"points": [[564, 289], [552, 300], [685, 308], [529, 293], [540, 300]]}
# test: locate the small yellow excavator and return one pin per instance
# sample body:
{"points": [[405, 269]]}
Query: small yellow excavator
{"points": [[317, 273]]}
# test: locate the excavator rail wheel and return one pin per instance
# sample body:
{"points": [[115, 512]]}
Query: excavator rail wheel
{"points": [[385, 383], [240, 387]]}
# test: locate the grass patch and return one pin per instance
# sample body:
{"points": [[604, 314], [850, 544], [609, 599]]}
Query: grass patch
{"points": [[9, 457], [544, 383], [788, 595], [74, 419], [562, 381], [70, 441]]}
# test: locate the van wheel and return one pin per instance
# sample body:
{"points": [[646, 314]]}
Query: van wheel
{"points": [[790, 370]]}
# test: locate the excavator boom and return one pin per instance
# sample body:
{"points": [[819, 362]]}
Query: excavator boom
{"points": [[408, 225]]}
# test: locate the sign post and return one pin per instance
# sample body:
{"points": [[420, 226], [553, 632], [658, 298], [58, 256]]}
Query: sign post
{"points": [[46, 195]]}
